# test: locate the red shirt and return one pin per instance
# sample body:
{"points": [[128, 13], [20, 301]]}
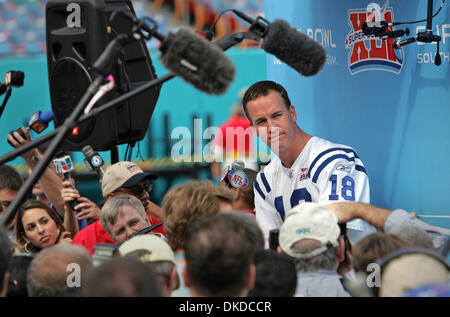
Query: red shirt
{"points": [[229, 131], [95, 233]]}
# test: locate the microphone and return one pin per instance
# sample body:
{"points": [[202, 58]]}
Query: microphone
{"points": [[38, 122], [399, 44], [148, 229], [93, 160], [294, 48], [288, 44], [377, 28], [197, 61], [64, 165], [12, 79], [438, 59], [395, 34], [194, 59]]}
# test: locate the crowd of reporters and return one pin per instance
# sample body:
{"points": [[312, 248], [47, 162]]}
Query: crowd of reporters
{"points": [[203, 241]]}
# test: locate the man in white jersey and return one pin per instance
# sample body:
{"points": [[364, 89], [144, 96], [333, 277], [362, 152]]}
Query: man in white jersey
{"points": [[306, 169]]}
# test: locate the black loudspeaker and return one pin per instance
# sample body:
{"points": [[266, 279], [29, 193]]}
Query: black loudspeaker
{"points": [[77, 33]]}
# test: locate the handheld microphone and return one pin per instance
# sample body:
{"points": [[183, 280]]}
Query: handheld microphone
{"points": [[289, 45], [38, 122], [194, 59], [64, 165], [93, 160], [12, 79]]}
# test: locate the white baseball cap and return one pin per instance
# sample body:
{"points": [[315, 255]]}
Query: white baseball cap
{"points": [[158, 250], [309, 221]]}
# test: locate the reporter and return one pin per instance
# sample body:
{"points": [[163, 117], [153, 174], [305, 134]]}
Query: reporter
{"points": [[122, 216], [38, 226], [123, 178]]}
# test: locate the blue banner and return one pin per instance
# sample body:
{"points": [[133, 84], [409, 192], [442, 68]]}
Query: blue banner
{"points": [[392, 106]]}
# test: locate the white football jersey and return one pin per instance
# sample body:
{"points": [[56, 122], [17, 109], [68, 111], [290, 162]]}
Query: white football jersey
{"points": [[323, 172]]}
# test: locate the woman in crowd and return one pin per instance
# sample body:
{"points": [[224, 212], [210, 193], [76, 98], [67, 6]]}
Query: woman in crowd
{"points": [[39, 226]]}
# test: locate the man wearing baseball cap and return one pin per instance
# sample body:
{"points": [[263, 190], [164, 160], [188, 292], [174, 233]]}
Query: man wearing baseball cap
{"points": [[156, 252], [311, 235], [128, 178], [120, 179]]}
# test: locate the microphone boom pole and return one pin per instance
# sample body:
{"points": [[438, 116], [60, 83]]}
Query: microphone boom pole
{"points": [[224, 43], [68, 124], [5, 100], [95, 112], [74, 119]]}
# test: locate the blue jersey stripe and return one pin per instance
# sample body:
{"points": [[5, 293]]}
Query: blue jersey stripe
{"points": [[318, 157], [361, 169], [258, 189], [265, 182], [280, 207], [328, 161]]}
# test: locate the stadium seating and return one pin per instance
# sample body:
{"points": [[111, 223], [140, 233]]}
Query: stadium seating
{"points": [[22, 22]]}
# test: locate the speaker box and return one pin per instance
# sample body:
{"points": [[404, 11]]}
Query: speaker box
{"points": [[77, 33]]}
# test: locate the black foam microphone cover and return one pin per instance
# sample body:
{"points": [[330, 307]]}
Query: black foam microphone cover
{"points": [[294, 48], [17, 78], [197, 61]]}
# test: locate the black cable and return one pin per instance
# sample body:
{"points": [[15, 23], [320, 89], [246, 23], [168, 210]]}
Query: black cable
{"points": [[123, 74], [138, 154], [126, 152], [424, 20], [211, 28]]}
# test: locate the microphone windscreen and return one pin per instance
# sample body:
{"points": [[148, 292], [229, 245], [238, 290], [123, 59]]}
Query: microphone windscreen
{"points": [[47, 116], [294, 48], [197, 61], [87, 150], [17, 78]]}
